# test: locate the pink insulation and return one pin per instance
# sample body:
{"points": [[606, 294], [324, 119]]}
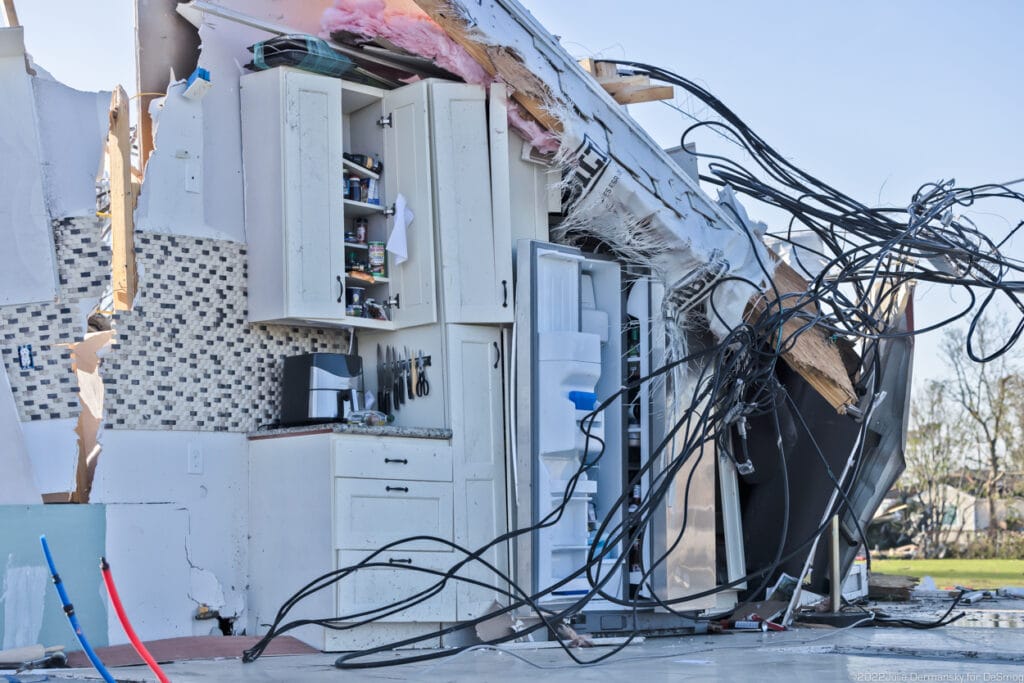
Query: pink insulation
{"points": [[407, 26]]}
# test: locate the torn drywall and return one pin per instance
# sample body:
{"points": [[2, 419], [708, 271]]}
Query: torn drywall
{"points": [[24, 598], [85, 357], [193, 179], [72, 128], [29, 273], [16, 483], [53, 451]]}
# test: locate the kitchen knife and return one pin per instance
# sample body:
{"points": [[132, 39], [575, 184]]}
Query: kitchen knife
{"points": [[381, 406], [401, 380], [410, 387]]}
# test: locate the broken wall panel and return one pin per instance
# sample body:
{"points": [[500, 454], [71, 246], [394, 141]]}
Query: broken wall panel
{"points": [[29, 273], [17, 485], [147, 472], [167, 48], [31, 611], [72, 128]]}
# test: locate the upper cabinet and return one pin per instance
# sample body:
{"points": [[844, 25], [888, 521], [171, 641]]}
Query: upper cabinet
{"points": [[325, 163], [472, 215], [335, 172]]}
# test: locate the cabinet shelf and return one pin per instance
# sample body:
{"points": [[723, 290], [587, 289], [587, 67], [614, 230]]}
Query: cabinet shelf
{"points": [[359, 280], [356, 245], [353, 167], [354, 208]]}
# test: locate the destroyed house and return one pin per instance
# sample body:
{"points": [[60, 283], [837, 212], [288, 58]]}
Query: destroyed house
{"points": [[397, 293]]}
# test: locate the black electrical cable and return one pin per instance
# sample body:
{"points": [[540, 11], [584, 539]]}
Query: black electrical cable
{"points": [[871, 255]]}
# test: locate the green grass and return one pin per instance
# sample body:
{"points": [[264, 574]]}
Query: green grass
{"points": [[949, 573]]}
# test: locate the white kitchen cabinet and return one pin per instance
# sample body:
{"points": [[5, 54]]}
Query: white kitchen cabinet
{"points": [[476, 243], [322, 502], [295, 128], [475, 370]]}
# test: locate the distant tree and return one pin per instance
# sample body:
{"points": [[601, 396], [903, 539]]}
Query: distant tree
{"points": [[936, 444], [991, 397]]}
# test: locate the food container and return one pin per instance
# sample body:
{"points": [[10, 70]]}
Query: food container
{"points": [[354, 311], [355, 296], [354, 189], [376, 250], [361, 224]]}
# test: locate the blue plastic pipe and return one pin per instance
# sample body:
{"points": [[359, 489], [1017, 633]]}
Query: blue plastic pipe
{"points": [[69, 610]]}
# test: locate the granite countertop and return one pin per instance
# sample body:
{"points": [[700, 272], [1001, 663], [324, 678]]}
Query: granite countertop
{"points": [[340, 428]]}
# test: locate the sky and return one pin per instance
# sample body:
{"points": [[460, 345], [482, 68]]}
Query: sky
{"points": [[874, 97]]}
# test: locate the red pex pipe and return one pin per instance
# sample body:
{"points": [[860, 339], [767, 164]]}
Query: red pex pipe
{"points": [[108, 581]]}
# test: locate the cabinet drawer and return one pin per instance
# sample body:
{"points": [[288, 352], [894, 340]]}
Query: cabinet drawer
{"points": [[392, 458], [372, 512], [375, 587]]}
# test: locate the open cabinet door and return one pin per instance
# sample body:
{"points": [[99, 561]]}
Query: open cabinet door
{"points": [[406, 128], [312, 176]]}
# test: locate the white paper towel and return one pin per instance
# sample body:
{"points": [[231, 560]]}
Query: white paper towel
{"points": [[398, 243]]}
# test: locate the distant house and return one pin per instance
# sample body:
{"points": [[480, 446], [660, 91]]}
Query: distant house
{"points": [[968, 513]]}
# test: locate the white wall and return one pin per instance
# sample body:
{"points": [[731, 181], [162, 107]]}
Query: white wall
{"points": [[16, 483], [72, 134], [178, 533], [53, 449], [29, 271]]}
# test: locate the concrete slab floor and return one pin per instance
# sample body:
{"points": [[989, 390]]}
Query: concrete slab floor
{"points": [[805, 654]]}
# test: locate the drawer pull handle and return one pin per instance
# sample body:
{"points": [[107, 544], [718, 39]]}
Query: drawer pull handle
{"points": [[406, 560], [403, 489], [400, 461]]}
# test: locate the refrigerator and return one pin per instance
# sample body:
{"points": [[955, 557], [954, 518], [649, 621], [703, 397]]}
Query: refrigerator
{"points": [[584, 325]]}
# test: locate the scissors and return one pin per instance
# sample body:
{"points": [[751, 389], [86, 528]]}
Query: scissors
{"points": [[422, 385]]}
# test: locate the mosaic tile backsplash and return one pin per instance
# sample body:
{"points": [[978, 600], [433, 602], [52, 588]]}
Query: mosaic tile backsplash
{"points": [[185, 358]]}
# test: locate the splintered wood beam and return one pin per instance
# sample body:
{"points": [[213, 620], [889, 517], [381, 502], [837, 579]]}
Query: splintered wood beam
{"points": [[10, 14], [636, 95], [626, 89], [808, 351], [525, 87], [122, 203]]}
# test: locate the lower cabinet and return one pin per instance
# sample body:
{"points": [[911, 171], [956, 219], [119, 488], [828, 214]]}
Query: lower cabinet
{"points": [[326, 502]]}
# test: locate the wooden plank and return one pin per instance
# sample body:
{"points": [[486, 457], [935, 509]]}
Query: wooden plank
{"points": [[891, 587], [636, 95], [10, 14], [122, 203], [809, 351]]}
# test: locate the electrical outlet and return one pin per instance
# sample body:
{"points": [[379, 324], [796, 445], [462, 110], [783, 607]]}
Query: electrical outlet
{"points": [[195, 459], [26, 359]]}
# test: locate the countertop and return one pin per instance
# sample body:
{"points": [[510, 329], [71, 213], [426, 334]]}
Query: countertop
{"points": [[339, 428]]}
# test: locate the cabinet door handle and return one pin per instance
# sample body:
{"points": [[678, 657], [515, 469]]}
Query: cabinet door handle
{"points": [[504, 293], [400, 461], [341, 289], [402, 560], [497, 355], [403, 489]]}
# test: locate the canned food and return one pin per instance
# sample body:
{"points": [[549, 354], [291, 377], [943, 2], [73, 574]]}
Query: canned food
{"points": [[377, 257]]}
